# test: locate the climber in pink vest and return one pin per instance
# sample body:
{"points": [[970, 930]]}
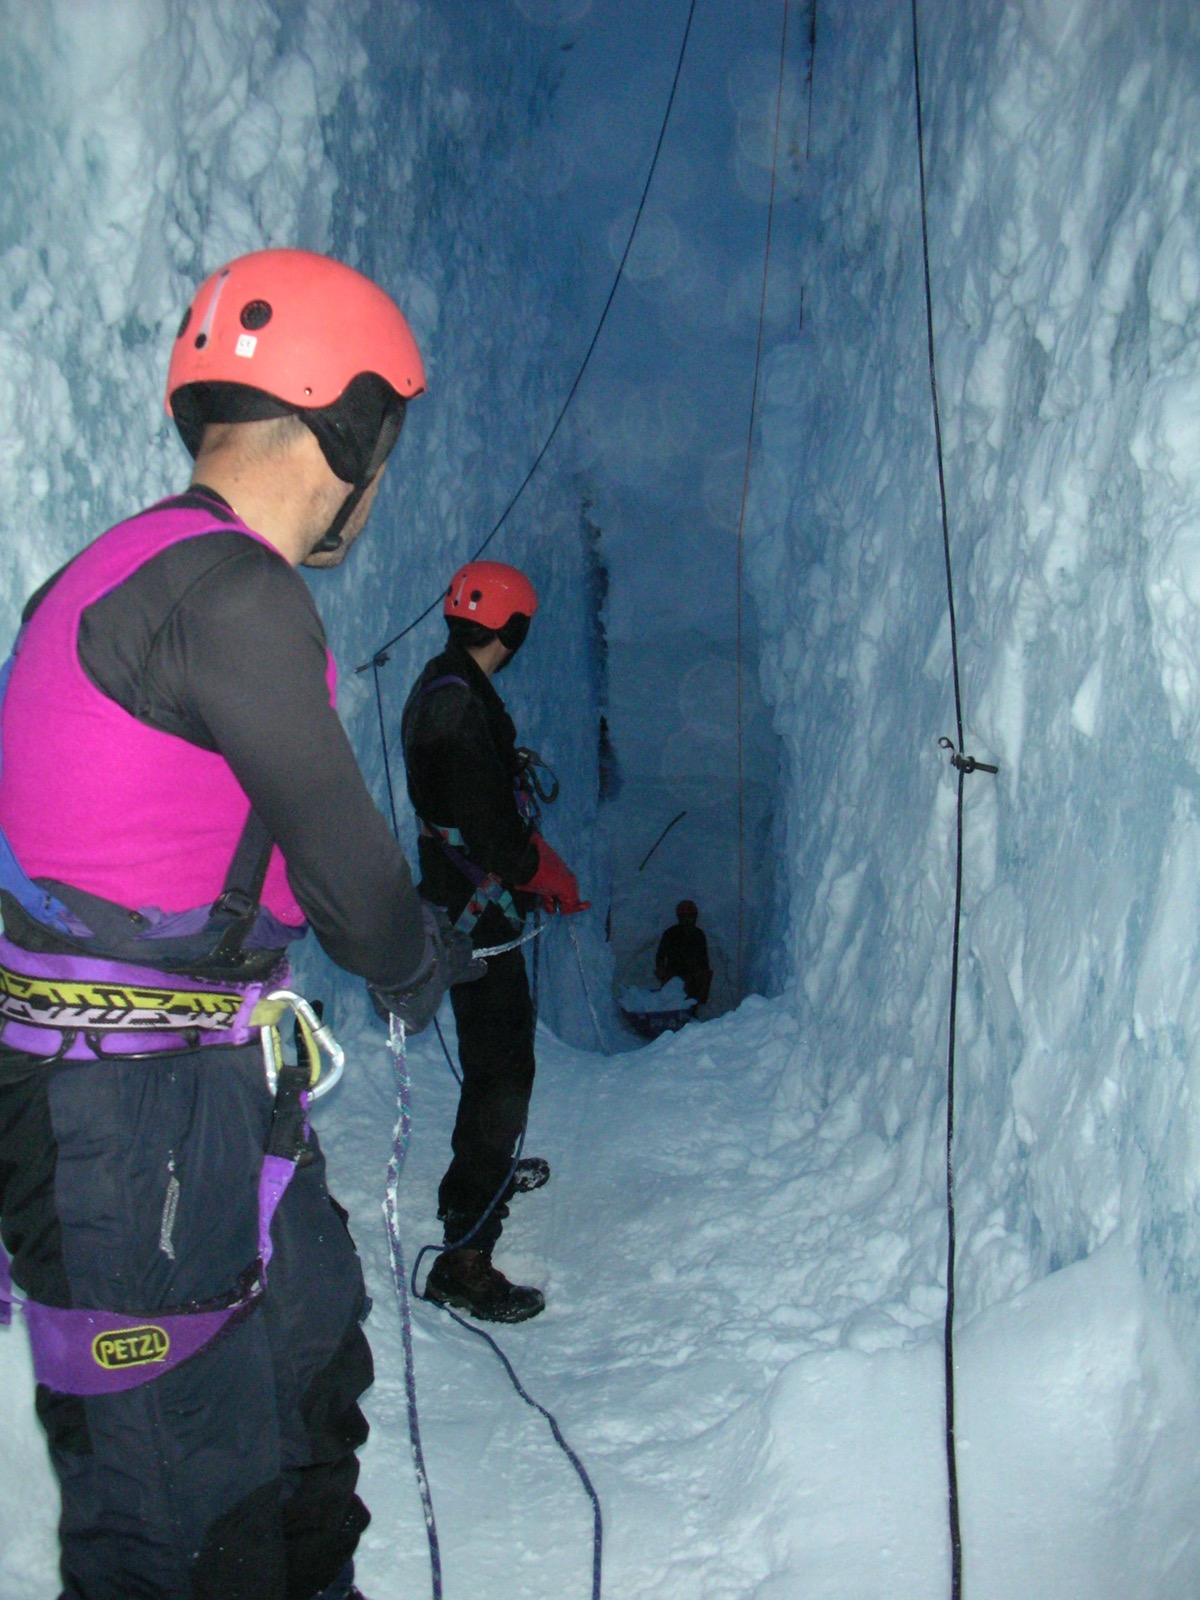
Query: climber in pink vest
{"points": [[178, 802]]}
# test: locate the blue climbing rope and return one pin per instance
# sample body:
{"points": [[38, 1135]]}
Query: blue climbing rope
{"points": [[400, 1141], [560, 1440]]}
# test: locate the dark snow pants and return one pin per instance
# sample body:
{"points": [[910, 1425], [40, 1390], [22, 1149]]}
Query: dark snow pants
{"points": [[495, 1050], [133, 1187]]}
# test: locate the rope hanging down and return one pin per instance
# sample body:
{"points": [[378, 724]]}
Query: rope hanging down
{"points": [[400, 1138], [400, 1141], [964, 764], [380, 657]]}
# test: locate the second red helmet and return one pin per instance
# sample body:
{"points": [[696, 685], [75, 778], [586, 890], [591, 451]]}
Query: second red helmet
{"points": [[489, 593]]}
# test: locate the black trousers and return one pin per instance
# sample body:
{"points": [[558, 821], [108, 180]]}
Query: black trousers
{"points": [[495, 1050], [133, 1187]]}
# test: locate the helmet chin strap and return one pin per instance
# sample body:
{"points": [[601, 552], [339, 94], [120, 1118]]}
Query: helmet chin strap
{"points": [[331, 540], [389, 432]]}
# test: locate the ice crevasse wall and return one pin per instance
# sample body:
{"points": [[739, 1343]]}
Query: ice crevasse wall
{"points": [[142, 143], [1061, 151], [145, 141]]}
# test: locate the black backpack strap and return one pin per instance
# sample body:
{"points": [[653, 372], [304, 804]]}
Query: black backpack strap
{"points": [[238, 903]]}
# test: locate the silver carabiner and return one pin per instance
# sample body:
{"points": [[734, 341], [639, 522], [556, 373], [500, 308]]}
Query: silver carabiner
{"points": [[267, 1014]]}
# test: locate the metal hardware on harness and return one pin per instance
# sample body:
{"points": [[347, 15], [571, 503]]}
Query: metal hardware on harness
{"points": [[513, 944], [529, 761], [316, 1036]]}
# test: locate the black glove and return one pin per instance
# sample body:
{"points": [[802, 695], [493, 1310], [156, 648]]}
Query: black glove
{"points": [[449, 958]]}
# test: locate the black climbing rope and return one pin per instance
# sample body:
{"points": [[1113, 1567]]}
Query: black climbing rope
{"points": [[964, 765], [678, 818]]}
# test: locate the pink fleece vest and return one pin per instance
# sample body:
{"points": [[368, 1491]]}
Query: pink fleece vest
{"points": [[94, 798]]}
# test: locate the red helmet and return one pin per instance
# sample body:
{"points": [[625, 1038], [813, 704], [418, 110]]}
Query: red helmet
{"points": [[281, 331], [489, 593], [296, 326], [687, 908]]}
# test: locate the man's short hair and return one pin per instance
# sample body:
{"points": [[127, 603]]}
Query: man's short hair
{"points": [[263, 438], [470, 635]]}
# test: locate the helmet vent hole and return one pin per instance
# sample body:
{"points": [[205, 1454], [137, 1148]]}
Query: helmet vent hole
{"points": [[183, 326], [476, 596], [201, 340], [255, 314]]}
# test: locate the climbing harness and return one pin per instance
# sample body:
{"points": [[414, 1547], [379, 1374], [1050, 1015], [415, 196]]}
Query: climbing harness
{"points": [[487, 888], [400, 1141], [964, 765], [84, 980], [86, 1351]]}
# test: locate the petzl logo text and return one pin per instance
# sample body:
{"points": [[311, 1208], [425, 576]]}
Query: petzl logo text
{"points": [[134, 1347]]}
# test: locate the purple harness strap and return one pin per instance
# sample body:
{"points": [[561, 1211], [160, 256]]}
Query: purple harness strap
{"points": [[85, 1352], [6, 1295], [83, 1008]]}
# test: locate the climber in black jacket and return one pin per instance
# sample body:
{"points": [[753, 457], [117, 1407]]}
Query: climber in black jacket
{"points": [[483, 860]]}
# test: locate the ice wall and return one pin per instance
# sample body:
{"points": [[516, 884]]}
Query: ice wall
{"points": [[1061, 143], [142, 143], [145, 141]]}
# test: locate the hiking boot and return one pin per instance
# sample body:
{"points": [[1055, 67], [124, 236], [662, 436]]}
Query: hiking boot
{"points": [[531, 1173], [342, 1587], [467, 1281]]}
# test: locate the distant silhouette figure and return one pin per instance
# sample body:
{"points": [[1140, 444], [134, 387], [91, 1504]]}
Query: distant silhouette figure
{"points": [[683, 953]]}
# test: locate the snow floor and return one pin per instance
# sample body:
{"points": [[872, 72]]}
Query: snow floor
{"points": [[742, 1343]]}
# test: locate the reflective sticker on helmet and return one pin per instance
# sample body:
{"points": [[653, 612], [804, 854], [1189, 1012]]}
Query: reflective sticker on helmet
{"points": [[246, 346], [135, 1347], [206, 325]]}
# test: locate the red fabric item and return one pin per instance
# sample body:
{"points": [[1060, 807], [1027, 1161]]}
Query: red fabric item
{"points": [[554, 883]]}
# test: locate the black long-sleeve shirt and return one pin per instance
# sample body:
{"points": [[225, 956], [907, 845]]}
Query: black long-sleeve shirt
{"points": [[217, 640], [460, 757]]}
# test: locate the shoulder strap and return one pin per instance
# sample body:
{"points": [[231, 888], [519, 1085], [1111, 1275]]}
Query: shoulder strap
{"points": [[238, 902]]}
